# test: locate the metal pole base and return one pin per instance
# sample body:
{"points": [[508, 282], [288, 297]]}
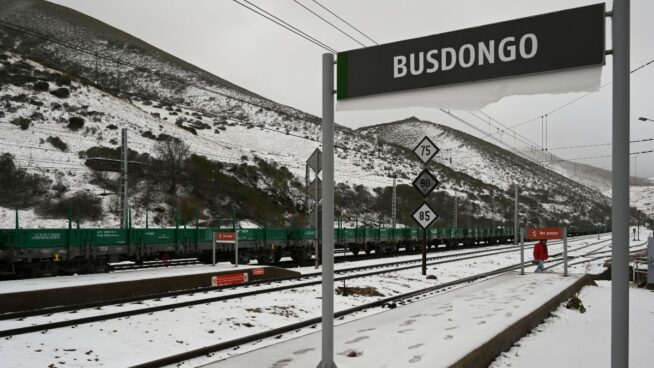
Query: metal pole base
{"points": [[322, 365]]}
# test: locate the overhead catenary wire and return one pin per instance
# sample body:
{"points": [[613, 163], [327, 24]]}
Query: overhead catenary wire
{"points": [[344, 21], [191, 84], [328, 22], [593, 157], [8, 25], [529, 141], [273, 18], [597, 144], [561, 107], [519, 137]]}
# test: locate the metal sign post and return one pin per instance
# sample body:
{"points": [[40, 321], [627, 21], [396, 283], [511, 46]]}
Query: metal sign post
{"points": [[226, 237], [328, 212], [650, 261], [515, 223], [425, 183], [235, 248], [315, 191], [620, 185], [522, 251], [565, 251]]}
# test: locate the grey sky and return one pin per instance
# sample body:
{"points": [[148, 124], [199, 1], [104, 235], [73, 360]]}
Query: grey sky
{"points": [[234, 43]]}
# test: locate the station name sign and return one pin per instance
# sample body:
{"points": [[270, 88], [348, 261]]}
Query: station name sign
{"points": [[561, 40]]}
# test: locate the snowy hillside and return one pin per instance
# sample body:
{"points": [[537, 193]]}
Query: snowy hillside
{"points": [[61, 109], [641, 197], [590, 176], [475, 157]]}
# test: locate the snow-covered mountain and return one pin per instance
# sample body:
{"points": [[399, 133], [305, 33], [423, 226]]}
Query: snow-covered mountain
{"points": [[65, 102]]}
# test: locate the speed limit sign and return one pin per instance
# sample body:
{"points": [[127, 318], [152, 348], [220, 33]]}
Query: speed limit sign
{"points": [[425, 216], [425, 183]]}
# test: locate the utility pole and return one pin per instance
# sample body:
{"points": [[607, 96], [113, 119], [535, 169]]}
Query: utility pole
{"points": [[515, 220], [306, 192], [328, 68], [620, 23], [125, 203], [97, 77], [469, 212], [316, 204], [394, 203], [456, 204], [117, 78], [636, 184]]}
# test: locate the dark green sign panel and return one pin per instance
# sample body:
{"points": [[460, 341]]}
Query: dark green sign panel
{"points": [[561, 40]]}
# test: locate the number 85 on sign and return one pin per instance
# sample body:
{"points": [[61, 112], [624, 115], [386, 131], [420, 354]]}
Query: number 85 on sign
{"points": [[425, 216]]}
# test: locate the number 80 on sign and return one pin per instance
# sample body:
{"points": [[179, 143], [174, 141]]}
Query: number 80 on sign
{"points": [[425, 216]]}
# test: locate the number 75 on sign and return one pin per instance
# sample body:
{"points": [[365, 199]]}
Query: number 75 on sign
{"points": [[426, 150]]}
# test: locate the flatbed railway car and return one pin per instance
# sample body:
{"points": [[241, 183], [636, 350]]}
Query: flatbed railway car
{"points": [[41, 252]]}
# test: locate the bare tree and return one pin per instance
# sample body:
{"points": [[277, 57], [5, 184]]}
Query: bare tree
{"points": [[172, 153]]}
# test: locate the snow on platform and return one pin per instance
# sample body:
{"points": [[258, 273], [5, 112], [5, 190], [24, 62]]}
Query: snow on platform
{"points": [[46, 283], [433, 332], [589, 333]]}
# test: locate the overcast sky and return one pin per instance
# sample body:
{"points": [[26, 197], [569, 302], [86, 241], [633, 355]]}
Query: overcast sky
{"points": [[244, 48]]}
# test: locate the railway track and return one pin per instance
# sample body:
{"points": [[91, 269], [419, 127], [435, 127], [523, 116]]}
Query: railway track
{"points": [[338, 258], [154, 264], [44, 311], [407, 297], [346, 274]]}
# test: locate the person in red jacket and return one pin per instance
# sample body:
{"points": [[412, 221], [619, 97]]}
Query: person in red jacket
{"points": [[540, 254]]}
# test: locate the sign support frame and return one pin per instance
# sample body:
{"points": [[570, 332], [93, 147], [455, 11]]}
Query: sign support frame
{"points": [[620, 197], [522, 251], [620, 35], [565, 251], [328, 95], [515, 220], [424, 232]]}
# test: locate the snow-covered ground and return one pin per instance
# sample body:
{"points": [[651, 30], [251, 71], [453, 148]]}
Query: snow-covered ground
{"points": [[145, 337], [11, 286], [433, 332], [550, 344], [120, 276]]}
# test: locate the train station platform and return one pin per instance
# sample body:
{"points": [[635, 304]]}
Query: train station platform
{"points": [[465, 327], [30, 294]]}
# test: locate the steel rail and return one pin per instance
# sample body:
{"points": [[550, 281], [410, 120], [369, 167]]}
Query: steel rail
{"points": [[177, 358], [52, 310], [158, 308]]}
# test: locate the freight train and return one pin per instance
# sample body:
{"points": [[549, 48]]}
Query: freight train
{"points": [[42, 252]]}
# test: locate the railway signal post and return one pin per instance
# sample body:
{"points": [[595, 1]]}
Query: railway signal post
{"points": [[425, 183], [315, 191]]}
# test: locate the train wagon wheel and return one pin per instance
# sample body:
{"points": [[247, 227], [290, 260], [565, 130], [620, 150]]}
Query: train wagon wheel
{"points": [[167, 259]]}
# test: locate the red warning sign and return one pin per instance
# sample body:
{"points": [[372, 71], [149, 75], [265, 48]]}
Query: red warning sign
{"points": [[544, 233], [258, 271], [229, 279], [225, 237]]}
